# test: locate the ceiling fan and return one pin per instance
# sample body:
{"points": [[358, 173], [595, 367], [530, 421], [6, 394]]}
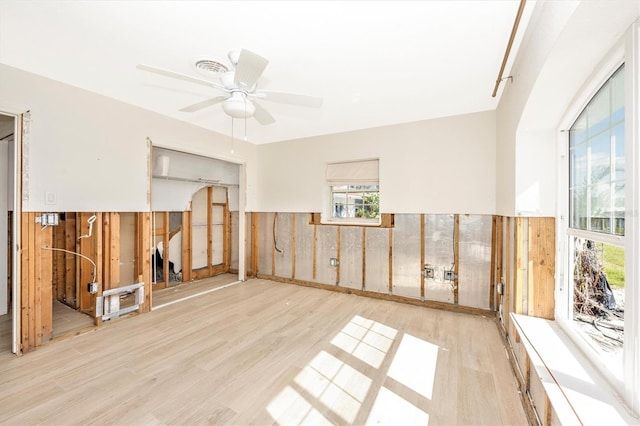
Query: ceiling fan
{"points": [[239, 86]]}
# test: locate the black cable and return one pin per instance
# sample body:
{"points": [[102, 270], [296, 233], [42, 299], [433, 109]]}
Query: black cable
{"points": [[275, 242]]}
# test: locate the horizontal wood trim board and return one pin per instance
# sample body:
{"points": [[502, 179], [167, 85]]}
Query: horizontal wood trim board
{"points": [[382, 296]]}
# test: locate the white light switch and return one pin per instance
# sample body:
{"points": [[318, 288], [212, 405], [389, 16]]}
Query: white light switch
{"points": [[50, 198]]}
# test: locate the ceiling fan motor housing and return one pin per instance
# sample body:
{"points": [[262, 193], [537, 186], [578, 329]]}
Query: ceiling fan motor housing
{"points": [[238, 106]]}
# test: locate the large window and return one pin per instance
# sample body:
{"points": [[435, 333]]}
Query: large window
{"points": [[597, 222], [596, 144]]}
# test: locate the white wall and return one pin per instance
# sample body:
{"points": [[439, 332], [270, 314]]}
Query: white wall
{"points": [[547, 22], [91, 151], [445, 165], [564, 42], [176, 176]]}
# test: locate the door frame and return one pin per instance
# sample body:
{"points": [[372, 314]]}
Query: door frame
{"points": [[20, 120]]}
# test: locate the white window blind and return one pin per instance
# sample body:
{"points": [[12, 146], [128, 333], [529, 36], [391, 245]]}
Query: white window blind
{"points": [[353, 172]]}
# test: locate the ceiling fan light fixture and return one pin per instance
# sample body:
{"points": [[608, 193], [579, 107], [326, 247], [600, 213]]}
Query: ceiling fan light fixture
{"points": [[237, 106]]}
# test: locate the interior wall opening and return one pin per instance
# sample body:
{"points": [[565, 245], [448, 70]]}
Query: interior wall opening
{"points": [[196, 218], [7, 174]]}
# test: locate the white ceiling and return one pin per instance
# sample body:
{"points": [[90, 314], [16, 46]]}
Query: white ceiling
{"points": [[374, 63]]}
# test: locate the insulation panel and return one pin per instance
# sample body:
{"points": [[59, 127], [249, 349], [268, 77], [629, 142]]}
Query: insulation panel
{"points": [[351, 257], [326, 248], [438, 253], [377, 260], [217, 234], [199, 233], [406, 255], [304, 248], [234, 229], [265, 243], [284, 243], [474, 271]]}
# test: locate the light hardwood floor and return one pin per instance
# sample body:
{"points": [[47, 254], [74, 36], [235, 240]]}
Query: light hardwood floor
{"points": [[263, 352]]}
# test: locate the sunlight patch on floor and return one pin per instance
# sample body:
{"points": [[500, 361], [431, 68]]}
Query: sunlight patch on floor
{"points": [[414, 365], [329, 390], [391, 409], [289, 407], [367, 340]]}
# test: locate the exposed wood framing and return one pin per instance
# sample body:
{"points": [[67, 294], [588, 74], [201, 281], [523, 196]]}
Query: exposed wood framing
{"points": [[165, 251], [386, 220], [456, 257], [364, 257], [143, 256], [541, 280], [186, 247], [390, 261], [506, 304], [36, 316], [422, 235], [111, 251], [519, 375], [383, 296], [226, 245], [209, 232], [492, 275], [210, 269], [338, 236], [254, 244], [90, 247], [71, 297], [273, 245], [519, 265], [498, 250], [293, 245], [59, 275], [315, 251]]}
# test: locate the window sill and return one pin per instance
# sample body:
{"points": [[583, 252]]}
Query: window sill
{"points": [[576, 391], [348, 222], [386, 221]]}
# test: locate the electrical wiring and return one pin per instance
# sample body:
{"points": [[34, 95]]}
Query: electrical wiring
{"points": [[275, 242], [93, 279], [90, 222]]}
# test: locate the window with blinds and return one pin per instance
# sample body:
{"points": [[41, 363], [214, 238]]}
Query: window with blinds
{"points": [[354, 191]]}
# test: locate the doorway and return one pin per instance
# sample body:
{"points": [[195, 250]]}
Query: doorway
{"points": [[8, 127]]}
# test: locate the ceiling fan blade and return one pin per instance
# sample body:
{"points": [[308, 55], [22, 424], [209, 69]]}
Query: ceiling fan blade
{"points": [[250, 67], [290, 98], [204, 104], [262, 115], [179, 76]]}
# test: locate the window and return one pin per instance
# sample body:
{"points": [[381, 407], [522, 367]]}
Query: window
{"points": [[353, 193], [355, 201], [597, 223], [596, 145]]}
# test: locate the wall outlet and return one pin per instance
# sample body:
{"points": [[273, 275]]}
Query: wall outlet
{"points": [[334, 262], [429, 272], [92, 288], [449, 276]]}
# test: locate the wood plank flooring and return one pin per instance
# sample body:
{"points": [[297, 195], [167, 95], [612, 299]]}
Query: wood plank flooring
{"points": [[263, 352], [5, 333], [190, 289]]}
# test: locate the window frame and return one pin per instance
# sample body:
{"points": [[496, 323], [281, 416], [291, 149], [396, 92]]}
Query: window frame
{"points": [[326, 216], [348, 191], [624, 52]]}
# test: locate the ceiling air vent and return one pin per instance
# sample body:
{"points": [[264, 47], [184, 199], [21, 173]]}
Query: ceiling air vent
{"points": [[210, 67]]}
